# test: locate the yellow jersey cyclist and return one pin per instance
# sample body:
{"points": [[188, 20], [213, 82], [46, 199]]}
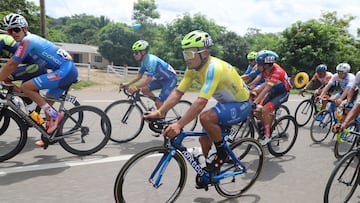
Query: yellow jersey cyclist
{"points": [[219, 80]]}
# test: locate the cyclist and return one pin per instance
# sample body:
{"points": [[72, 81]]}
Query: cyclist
{"points": [[252, 75], [273, 92], [323, 76], [345, 80], [220, 80], [160, 75], [34, 49]]}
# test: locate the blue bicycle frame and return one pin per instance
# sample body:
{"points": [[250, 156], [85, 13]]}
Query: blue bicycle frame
{"points": [[176, 144]]}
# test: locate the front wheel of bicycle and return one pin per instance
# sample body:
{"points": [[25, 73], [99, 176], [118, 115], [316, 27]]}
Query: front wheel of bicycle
{"points": [[178, 111], [304, 112], [321, 126], [344, 179], [126, 120], [13, 135], [250, 153], [349, 141], [136, 179], [284, 132], [87, 137]]}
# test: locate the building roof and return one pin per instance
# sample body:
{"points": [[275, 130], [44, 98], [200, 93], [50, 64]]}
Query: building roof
{"points": [[81, 48]]}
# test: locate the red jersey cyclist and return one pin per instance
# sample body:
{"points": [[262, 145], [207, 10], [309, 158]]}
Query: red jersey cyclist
{"points": [[273, 92]]}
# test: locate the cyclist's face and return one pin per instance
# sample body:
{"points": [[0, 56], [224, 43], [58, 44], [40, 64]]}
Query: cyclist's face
{"points": [[252, 62], [321, 74], [138, 55], [192, 57], [17, 33]]}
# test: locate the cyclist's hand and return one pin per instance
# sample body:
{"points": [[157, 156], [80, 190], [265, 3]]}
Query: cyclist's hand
{"points": [[132, 89], [172, 130], [338, 128], [301, 91], [152, 114]]}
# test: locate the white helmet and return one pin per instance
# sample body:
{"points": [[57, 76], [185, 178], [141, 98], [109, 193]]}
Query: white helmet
{"points": [[343, 67], [14, 20]]}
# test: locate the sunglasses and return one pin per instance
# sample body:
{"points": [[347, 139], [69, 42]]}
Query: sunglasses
{"points": [[339, 72], [136, 52], [16, 30], [191, 54]]}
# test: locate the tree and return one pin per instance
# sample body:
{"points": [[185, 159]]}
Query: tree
{"points": [[145, 11]]}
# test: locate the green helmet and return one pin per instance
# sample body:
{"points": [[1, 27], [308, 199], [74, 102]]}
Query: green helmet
{"points": [[197, 39], [141, 45], [252, 55]]}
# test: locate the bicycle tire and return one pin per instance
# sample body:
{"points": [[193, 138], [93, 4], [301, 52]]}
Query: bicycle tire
{"points": [[84, 138], [282, 110], [350, 140], [250, 153], [304, 112], [126, 120], [136, 173], [284, 133], [178, 111], [12, 144], [347, 167], [242, 130], [318, 131]]}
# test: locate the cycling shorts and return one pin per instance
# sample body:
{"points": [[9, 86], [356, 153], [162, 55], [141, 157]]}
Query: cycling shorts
{"points": [[232, 112], [27, 72], [57, 81], [277, 95], [166, 87]]}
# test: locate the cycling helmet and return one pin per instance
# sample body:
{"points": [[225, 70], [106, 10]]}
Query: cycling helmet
{"points": [[14, 20], [321, 68], [252, 55], [197, 39], [266, 57], [141, 45], [343, 67]]}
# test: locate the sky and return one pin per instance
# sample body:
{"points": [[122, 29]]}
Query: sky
{"points": [[270, 16]]}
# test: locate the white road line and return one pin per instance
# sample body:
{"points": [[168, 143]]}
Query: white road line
{"points": [[19, 169]]}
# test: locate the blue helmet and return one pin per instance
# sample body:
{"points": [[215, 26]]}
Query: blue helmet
{"points": [[266, 57], [321, 68]]}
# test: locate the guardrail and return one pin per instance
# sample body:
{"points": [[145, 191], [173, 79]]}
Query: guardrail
{"points": [[125, 71]]}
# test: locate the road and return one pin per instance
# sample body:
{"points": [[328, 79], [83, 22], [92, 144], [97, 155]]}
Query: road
{"points": [[54, 175]]}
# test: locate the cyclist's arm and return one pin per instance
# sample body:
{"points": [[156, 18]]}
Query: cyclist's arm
{"points": [[255, 81], [353, 113], [135, 79], [262, 93], [324, 91], [308, 85], [171, 101], [194, 110], [145, 82], [7, 69]]}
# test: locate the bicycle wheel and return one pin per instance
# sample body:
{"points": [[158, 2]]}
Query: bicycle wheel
{"points": [[13, 134], [344, 179], [303, 112], [126, 120], [87, 137], [178, 111], [282, 111], [284, 132], [321, 126], [250, 153], [242, 130], [349, 141], [135, 181]]}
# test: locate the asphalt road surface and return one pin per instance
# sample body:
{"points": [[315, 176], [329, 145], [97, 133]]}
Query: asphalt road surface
{"points": [[54, 175]]}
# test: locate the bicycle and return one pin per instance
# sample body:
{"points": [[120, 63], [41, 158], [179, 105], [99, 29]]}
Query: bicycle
{"points": [[345, 177], [76, 132], [324, 120], [284, 131], [126, 115], [152, 171], [307, 109], [346, 140]]}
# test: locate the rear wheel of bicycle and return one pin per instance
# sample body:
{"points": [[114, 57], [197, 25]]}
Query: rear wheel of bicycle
{"points": [[242, 130], [126, 120], [349, 141], [282, 111], [321, 126], [135, 182], [250, 153], [178, 111], [304, 112], [284, 132], [87, 137], [344, 179], [13, 135]]}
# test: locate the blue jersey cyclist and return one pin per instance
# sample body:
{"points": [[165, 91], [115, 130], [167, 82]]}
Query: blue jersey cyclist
{"points": [[8, 47], [160, 74], [219, 80], [34, 49], [252, 75]]}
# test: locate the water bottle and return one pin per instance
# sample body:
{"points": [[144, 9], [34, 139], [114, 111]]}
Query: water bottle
{"points": [[211, 155], [36, 117], [30, 107], [18, 102], [197, 154]]}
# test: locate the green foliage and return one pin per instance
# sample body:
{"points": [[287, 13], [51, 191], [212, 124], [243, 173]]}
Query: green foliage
{"points": [[145, 11]]}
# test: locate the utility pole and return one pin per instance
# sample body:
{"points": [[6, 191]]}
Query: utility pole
{"points": [[42, 19]]}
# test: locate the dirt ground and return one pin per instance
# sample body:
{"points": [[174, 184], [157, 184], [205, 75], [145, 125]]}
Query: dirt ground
{"points": [[105, 82]]}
